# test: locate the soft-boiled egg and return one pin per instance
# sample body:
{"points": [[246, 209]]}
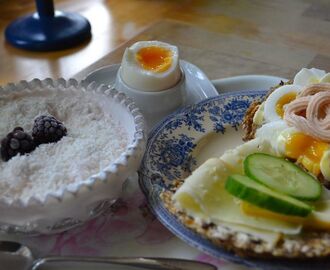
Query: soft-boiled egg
{"points": [[312, 154], [274, 104], [151, 66], [306, 150]]}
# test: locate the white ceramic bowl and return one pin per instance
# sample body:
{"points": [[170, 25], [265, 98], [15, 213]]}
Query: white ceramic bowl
{"points": [[155, 105], [72, 206]]}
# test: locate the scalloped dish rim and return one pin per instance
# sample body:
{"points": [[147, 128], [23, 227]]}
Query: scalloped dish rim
{"points": [[131, 150]]}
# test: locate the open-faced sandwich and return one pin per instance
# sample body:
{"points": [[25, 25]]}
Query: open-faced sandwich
{"points": [[268, 196]]}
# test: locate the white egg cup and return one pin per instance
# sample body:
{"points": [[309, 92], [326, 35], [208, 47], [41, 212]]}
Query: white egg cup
{"points": [[155, 105]]}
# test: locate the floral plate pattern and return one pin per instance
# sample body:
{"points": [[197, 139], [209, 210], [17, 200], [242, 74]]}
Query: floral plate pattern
{"points": [[169, 156]]}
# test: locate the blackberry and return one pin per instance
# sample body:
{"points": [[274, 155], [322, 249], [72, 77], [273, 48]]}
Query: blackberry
{"points": [[47, 129], [16, 142]]}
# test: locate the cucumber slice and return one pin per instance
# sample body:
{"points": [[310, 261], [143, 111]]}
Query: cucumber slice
{"points": [[255, 193], [282, 175]]}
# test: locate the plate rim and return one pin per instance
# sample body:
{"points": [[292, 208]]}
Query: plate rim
{"points": [[259, 78], [248, 76]]}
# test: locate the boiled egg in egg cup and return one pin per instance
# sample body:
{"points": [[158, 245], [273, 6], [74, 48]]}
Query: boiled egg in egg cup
{"points": [[150, 74]]}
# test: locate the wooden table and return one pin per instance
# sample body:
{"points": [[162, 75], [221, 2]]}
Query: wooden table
{"points": [[224, 38]]}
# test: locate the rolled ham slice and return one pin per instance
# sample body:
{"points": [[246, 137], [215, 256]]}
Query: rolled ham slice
{"points": [[314, 88], [310, 112]]}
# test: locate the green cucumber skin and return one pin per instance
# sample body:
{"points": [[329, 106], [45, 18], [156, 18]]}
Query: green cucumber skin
{"points": [[312, 197], [264, 200]]}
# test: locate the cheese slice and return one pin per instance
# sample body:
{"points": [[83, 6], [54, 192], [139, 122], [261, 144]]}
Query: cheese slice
{"points": [[319, 219], [233, 158], [203, 196]]}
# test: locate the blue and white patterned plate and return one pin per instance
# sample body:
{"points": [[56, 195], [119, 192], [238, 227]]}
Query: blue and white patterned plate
{"points": [[170, 155]]}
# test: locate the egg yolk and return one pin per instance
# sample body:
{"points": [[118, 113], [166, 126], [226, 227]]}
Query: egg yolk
{"points": [[153, 58], [283, 100], [306, 150]]}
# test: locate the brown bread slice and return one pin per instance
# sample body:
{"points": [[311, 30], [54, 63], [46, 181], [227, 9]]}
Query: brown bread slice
{"points": [[248, 126]]}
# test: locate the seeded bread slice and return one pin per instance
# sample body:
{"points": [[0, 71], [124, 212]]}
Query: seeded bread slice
{"points": [[307, 245], [248, 126]]}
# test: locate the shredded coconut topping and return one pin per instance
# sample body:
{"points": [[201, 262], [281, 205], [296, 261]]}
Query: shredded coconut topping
{"points": [[94, 140]]}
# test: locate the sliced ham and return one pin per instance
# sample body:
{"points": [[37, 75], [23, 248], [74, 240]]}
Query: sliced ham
{"points": [[314, 88], [310, 112]]}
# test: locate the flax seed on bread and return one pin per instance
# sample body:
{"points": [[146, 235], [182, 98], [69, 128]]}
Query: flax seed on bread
{"points": [[307, 245], [248, 126]]}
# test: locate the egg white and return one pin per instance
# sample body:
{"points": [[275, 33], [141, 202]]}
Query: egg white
{"points": [[325, 165], [270, 113], [307, 76], [271, 132], [325, 78]]}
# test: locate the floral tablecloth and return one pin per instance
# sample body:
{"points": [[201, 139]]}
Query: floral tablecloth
{"points": [[127, 229]]}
